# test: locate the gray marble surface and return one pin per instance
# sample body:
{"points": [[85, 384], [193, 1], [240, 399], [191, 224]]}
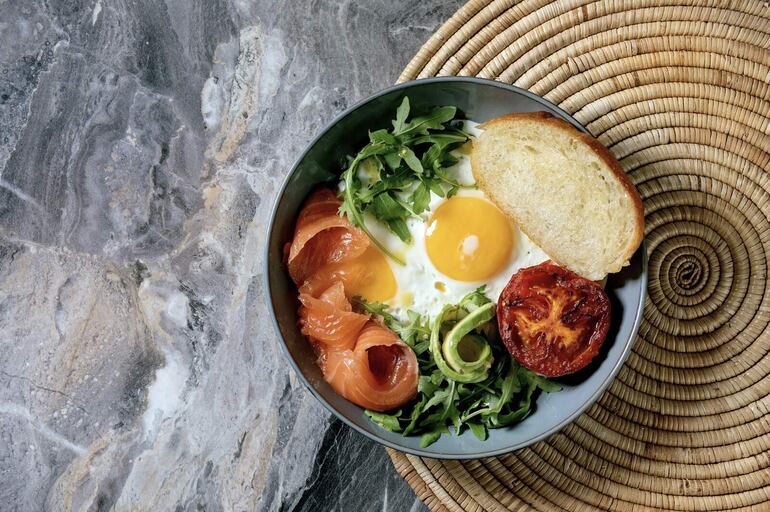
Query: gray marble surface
{"points": [[141, 145]]}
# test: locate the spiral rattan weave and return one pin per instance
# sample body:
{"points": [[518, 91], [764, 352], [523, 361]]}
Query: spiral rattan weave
{"points": [[680, 93]]}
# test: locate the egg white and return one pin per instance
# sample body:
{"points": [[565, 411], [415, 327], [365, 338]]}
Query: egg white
{"points": [[418, 281]]}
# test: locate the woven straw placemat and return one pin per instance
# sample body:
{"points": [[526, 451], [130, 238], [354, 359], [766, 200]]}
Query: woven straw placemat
{"points": [[678, 91]]}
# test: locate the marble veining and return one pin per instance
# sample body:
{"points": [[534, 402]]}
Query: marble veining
{"points": [[141, 146]]}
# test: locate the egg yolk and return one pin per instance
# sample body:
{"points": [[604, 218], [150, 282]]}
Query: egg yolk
{"points": [[468, 239], [378, 283]]}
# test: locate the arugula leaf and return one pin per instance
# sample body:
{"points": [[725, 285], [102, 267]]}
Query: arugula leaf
{"points": [[392, 211], [443, 139], [426, 386], [399, 227], [392, 159], [475, 299], [430, 159], [447, 160], [509, 385], [420, 198], [382, 136], [441, 397], [546, 385], [386, 207], [421, 347], [411, 161], [386, 421], [453, 415], [391, 183], [435, 186], [378, 309], [478, 430], [402, 112], [517, 414], [434, 120], [413, 331], [351, 207], [415, 416], [431, 437]]}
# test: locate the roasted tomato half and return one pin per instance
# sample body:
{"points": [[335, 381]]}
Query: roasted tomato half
{"points": [[552, 320]]}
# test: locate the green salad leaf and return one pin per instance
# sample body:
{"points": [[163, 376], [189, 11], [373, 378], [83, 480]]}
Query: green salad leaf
{"points": [[392, 177], [492, 391], [386, 421]]}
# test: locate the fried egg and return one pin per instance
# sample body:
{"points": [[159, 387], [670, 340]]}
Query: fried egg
{"points": [[458, 244]]}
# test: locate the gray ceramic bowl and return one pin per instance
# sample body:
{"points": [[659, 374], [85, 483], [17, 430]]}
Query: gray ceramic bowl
{"points": [[479, 100]]}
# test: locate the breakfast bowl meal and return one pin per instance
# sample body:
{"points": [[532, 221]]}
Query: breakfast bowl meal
{"points": [[455, 267]]}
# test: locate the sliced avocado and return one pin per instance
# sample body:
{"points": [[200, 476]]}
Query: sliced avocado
{"points": [[447, 354]]}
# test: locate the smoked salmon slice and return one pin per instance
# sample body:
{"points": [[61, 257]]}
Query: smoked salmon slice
{"points": [[350, 273], [363, 361], [322, 236], [380, 373], [329, 319]]}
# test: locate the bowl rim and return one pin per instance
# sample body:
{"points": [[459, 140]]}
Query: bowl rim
{"points": [[592, 398]]}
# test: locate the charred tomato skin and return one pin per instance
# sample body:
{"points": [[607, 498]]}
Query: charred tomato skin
{"points": [[551, 320]]}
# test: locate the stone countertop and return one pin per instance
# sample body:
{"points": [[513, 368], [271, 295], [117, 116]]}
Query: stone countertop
{"points": [[141, 145]]}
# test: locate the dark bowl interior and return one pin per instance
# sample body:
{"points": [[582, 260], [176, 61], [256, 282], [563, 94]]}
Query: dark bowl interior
{"points": [[478, 100]]}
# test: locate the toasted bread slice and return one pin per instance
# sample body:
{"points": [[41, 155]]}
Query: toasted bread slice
{"points": [[563, 188]]}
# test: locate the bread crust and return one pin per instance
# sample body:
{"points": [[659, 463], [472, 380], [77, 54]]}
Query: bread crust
{"points": [[602, 152]]}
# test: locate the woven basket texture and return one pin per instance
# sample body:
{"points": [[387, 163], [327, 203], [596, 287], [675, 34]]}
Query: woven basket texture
{"points": [[679, 91]]}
